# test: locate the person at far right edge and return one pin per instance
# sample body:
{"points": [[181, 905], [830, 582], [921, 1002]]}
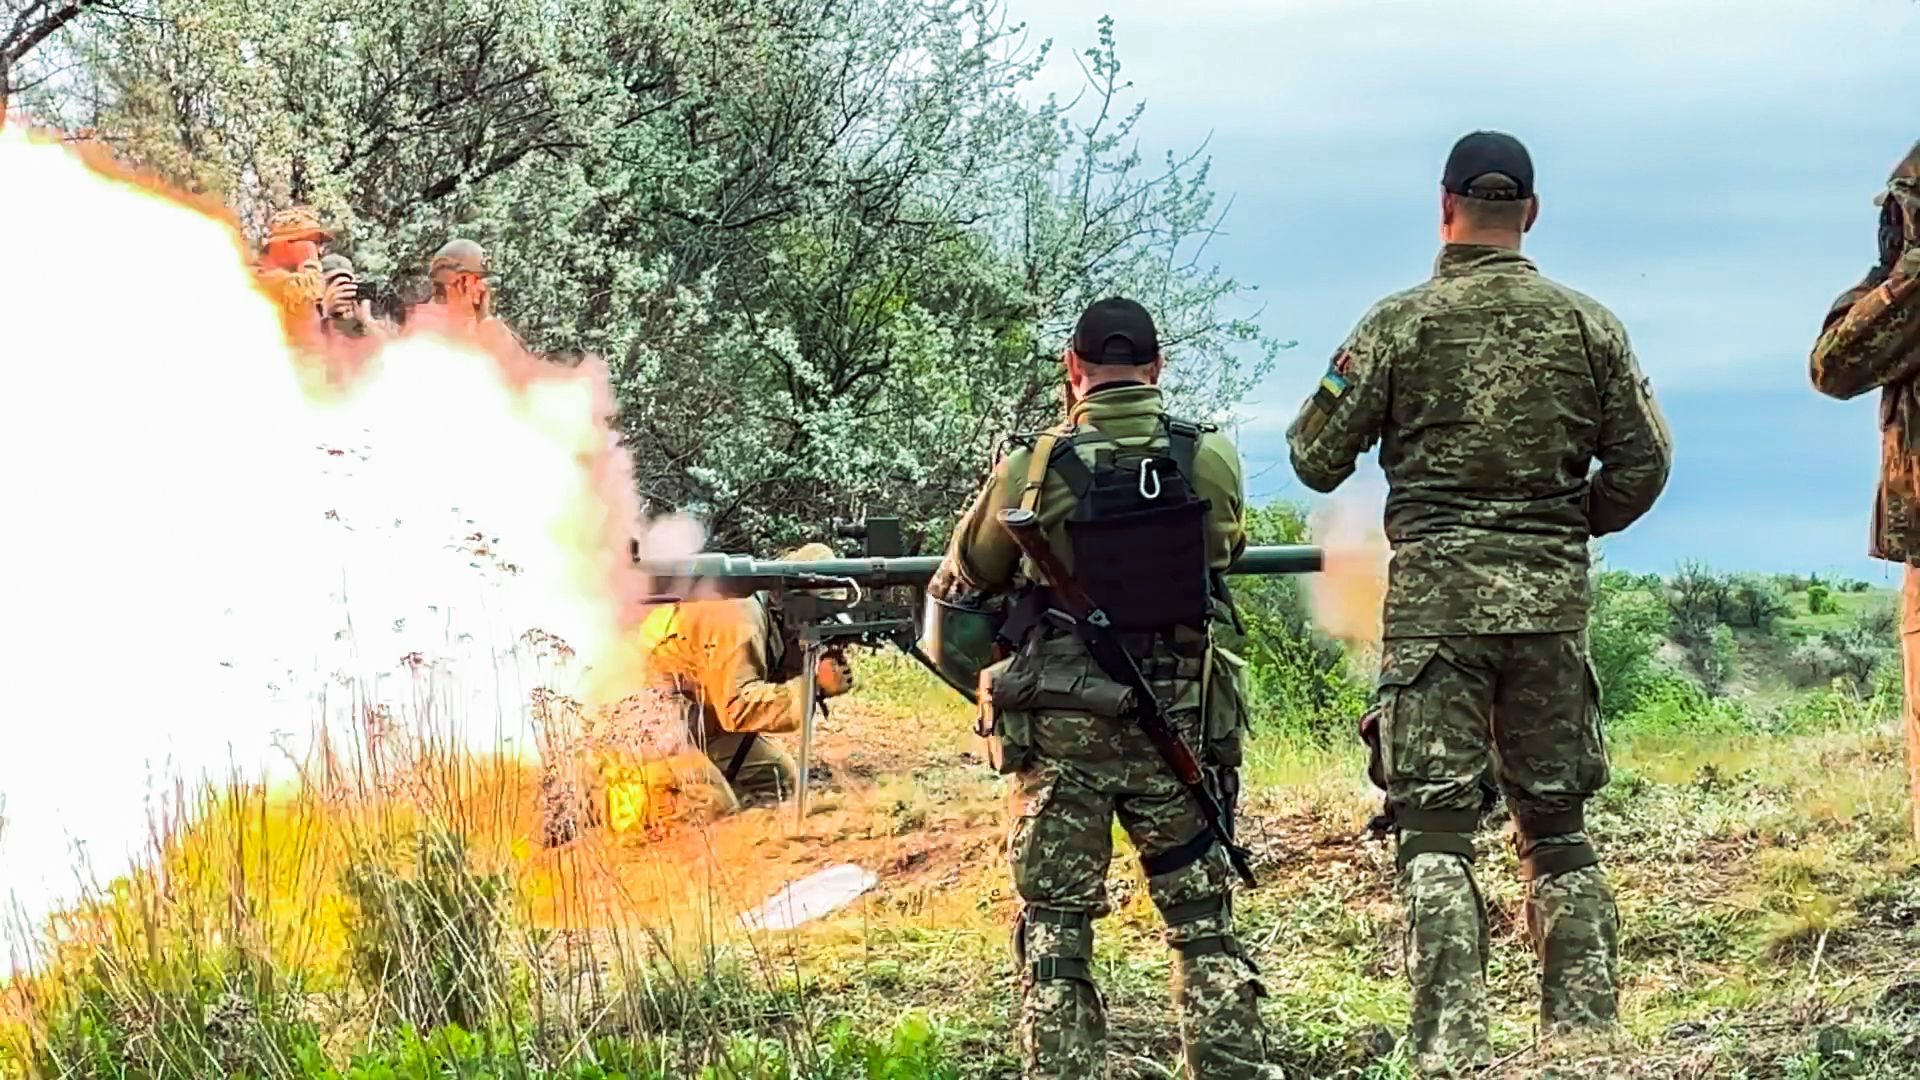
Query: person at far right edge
{"points": [[1492, 392], [1872, 341]]}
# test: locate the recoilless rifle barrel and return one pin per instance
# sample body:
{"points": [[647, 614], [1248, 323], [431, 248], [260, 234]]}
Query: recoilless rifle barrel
{"points": [[744, 575], [867, 609]]}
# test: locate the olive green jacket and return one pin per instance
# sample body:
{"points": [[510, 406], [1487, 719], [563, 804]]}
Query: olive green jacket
{"points": [[982, 557]]}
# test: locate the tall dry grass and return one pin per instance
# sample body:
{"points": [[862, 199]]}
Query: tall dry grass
{"points": [[397, 887]]}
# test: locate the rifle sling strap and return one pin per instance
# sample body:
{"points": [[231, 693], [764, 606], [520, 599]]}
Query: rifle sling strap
{"points": [[740, 755], [1043, 448], [1181, 857]]}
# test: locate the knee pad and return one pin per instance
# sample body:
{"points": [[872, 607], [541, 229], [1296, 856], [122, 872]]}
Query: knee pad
{"points": [[1434, 832], [1065, 952], [1202, 927], [1540, 843]]}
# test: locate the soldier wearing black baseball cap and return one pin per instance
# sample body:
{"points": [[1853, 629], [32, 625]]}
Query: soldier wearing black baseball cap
{"points": [[1116, 331], [1491, 392], [1487, 194], [1148, 510]]}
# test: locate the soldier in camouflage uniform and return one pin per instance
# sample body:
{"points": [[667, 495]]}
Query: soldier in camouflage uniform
{"points": [[1872, 341], [1491, 392], [1075, 763]]}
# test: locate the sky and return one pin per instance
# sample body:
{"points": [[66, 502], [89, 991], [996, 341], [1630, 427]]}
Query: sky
{"points": [[1705, 169]]}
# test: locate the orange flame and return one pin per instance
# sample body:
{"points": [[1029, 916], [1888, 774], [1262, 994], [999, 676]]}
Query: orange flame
{"points": [[225, 525], [1347, 596]]}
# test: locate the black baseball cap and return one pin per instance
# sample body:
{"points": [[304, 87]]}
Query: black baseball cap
{"points": [[1116, 331], [1485, 154]]}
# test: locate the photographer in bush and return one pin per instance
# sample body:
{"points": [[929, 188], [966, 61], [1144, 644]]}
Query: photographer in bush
{"points": [[1871, 341]]}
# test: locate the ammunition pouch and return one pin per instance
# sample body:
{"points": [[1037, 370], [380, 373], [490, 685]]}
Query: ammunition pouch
{"points": [[1226, 783], [1224, 698], [1013, 691]]}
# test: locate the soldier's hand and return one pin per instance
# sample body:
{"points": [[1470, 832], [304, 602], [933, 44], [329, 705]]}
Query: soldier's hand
{"points": [[1893, 231], [833, 674]]}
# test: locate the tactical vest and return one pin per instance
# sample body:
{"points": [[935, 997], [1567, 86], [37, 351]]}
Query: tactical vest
{"points": [[1138, 528]]}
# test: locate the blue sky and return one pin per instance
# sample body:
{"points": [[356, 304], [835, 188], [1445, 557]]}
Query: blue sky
{"points": [[1705, 169]]}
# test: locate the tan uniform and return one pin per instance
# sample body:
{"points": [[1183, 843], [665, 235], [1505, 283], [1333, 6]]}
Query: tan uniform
{"points": [[297, 295], [727, 659]]}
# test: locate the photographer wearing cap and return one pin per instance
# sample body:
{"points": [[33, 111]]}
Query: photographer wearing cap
{"points": [[1492, 392], [346, 306], [463, 295], [1871, 340]]}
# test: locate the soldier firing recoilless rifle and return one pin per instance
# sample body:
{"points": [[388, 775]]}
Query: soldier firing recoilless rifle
{"points": [[875, 600]]}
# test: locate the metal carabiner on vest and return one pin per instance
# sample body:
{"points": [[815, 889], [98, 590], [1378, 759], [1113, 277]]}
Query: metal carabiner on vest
{"points": [[1149, 471]]}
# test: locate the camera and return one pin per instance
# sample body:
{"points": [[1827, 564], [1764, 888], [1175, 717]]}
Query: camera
{"points": [[336, 269]]}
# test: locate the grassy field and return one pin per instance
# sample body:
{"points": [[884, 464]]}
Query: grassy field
{"points": [[1768, 890]]}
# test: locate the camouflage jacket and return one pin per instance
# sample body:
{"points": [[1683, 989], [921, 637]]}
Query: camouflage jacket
{"points": [[1491, 391], [1872, 341]]}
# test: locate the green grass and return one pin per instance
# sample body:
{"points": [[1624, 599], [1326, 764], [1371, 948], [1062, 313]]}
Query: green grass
{"points": [[1846, 609], [1767, 886]]}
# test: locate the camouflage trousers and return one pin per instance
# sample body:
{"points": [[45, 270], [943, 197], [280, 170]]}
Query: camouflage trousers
{"points": [[1083, 773], [1530, 704]]}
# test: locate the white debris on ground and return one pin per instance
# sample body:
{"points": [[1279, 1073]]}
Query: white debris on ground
{"points": [[812, 897]]}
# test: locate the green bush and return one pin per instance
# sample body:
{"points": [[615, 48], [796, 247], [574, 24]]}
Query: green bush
{"points": [[175, 1012], [1628, 623], [1819, 599], [1881, 621], [1670, 704], [911, 1050], [1700, 600], [1756, 602]]}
